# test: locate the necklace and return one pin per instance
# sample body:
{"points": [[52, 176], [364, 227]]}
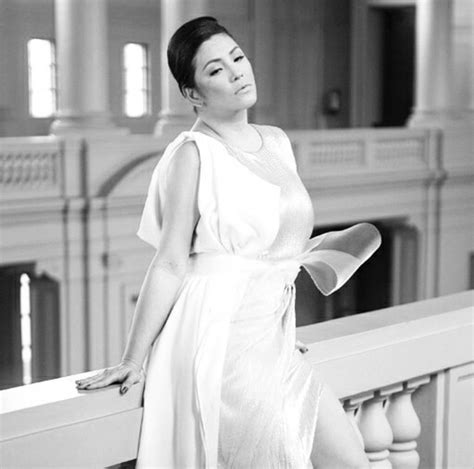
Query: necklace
{"points": [[232, 148]]}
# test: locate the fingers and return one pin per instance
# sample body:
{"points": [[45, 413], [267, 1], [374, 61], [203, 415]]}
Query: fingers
{"points": [[100, 380], [84, 381], [126, 385], [132, 379]]}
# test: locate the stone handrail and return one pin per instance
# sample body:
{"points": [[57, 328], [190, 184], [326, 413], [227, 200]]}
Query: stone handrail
{"points": [[370, 360]]}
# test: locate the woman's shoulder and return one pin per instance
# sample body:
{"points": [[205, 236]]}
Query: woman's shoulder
{"points": [[203, 143], [186, 154], [192, 144], [185, 136]]}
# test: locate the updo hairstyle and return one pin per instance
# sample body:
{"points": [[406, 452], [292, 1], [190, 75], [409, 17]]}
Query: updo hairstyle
{"points": [[184, 45]]}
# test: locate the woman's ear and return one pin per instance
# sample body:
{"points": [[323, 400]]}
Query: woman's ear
{"points": [[193, 97]]}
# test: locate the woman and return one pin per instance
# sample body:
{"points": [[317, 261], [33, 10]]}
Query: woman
{"points": [[226, 384]]}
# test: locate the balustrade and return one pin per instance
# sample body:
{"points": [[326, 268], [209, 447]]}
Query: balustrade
{"points": [[374, 370], [30, 168], [387, 424]]}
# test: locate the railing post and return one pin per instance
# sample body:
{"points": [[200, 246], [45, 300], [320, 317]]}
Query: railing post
{"points": [[353, 408], [375, 428], [405, 426]]}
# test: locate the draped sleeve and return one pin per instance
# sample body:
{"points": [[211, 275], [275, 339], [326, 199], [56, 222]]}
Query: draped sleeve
{"points": [[151, 221], [238, 211]]}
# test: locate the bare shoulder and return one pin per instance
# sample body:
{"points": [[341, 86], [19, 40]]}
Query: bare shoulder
{"points": [[185, 158], [187, 153], [183, 167]]}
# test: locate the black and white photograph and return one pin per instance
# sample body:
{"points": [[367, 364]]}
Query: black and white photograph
{"points": [[237, 234]]}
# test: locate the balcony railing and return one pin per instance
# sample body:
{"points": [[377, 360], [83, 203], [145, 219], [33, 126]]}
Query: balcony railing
{"points": [[405, 375]]}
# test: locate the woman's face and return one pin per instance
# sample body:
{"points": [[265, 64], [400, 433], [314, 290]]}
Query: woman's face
{"points": [[223, 76]]}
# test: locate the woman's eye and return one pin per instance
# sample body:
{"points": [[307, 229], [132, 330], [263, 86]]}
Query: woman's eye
{"points": [[237, 59], [215, 72]]}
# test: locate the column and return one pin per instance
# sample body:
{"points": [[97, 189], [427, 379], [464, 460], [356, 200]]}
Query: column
{"points": [[176, 113], [82, 61], [5, 49], [434, 65], [471, 60]]}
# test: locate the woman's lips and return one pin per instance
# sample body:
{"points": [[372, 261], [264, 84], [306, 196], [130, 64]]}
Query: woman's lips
{"points": [[244, 88]]}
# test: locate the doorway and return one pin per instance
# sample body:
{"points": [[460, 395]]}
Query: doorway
{"points": [[398, 61], [383, 64]]}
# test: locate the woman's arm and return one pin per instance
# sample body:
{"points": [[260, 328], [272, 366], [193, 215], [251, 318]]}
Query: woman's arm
{"points": [[165, 274]]}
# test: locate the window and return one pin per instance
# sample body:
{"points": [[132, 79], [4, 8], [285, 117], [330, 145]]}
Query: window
{"points": [[41, 78], [136, 80], [25, 315]]}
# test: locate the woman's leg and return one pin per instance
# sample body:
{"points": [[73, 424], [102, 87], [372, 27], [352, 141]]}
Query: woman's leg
{"points": [[336, 444]]}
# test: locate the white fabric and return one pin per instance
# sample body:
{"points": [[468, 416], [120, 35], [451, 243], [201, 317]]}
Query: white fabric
{"points": [[225, 384], [239, 210]]}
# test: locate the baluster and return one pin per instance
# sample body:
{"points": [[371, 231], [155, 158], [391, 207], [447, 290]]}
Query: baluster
{"points": [[375, 428], [352, 406], [405, 426]]}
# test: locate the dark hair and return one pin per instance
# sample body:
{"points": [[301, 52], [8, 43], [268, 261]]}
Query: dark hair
{"points": [[184, 44]]}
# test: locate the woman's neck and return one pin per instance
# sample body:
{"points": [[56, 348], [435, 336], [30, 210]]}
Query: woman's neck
{"points": [[231, 124], [235, 130]]}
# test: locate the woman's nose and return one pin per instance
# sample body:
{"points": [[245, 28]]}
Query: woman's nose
{"points": [[236, 75]]}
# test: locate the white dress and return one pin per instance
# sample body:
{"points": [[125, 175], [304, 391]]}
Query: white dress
{"points": [[225, 385]]}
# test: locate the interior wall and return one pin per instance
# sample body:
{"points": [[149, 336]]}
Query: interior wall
{"points": [[302, 51], [336, 64], [3, 64], [299, 50], [21, 21]]}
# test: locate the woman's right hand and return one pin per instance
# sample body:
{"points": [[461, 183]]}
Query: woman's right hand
{"points": [[126, 372]]}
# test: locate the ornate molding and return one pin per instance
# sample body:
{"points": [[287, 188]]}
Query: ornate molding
{"points": [[31, 168]]}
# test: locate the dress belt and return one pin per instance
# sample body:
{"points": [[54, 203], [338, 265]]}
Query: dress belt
{"points": [[328, 268], [212, 263]]}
